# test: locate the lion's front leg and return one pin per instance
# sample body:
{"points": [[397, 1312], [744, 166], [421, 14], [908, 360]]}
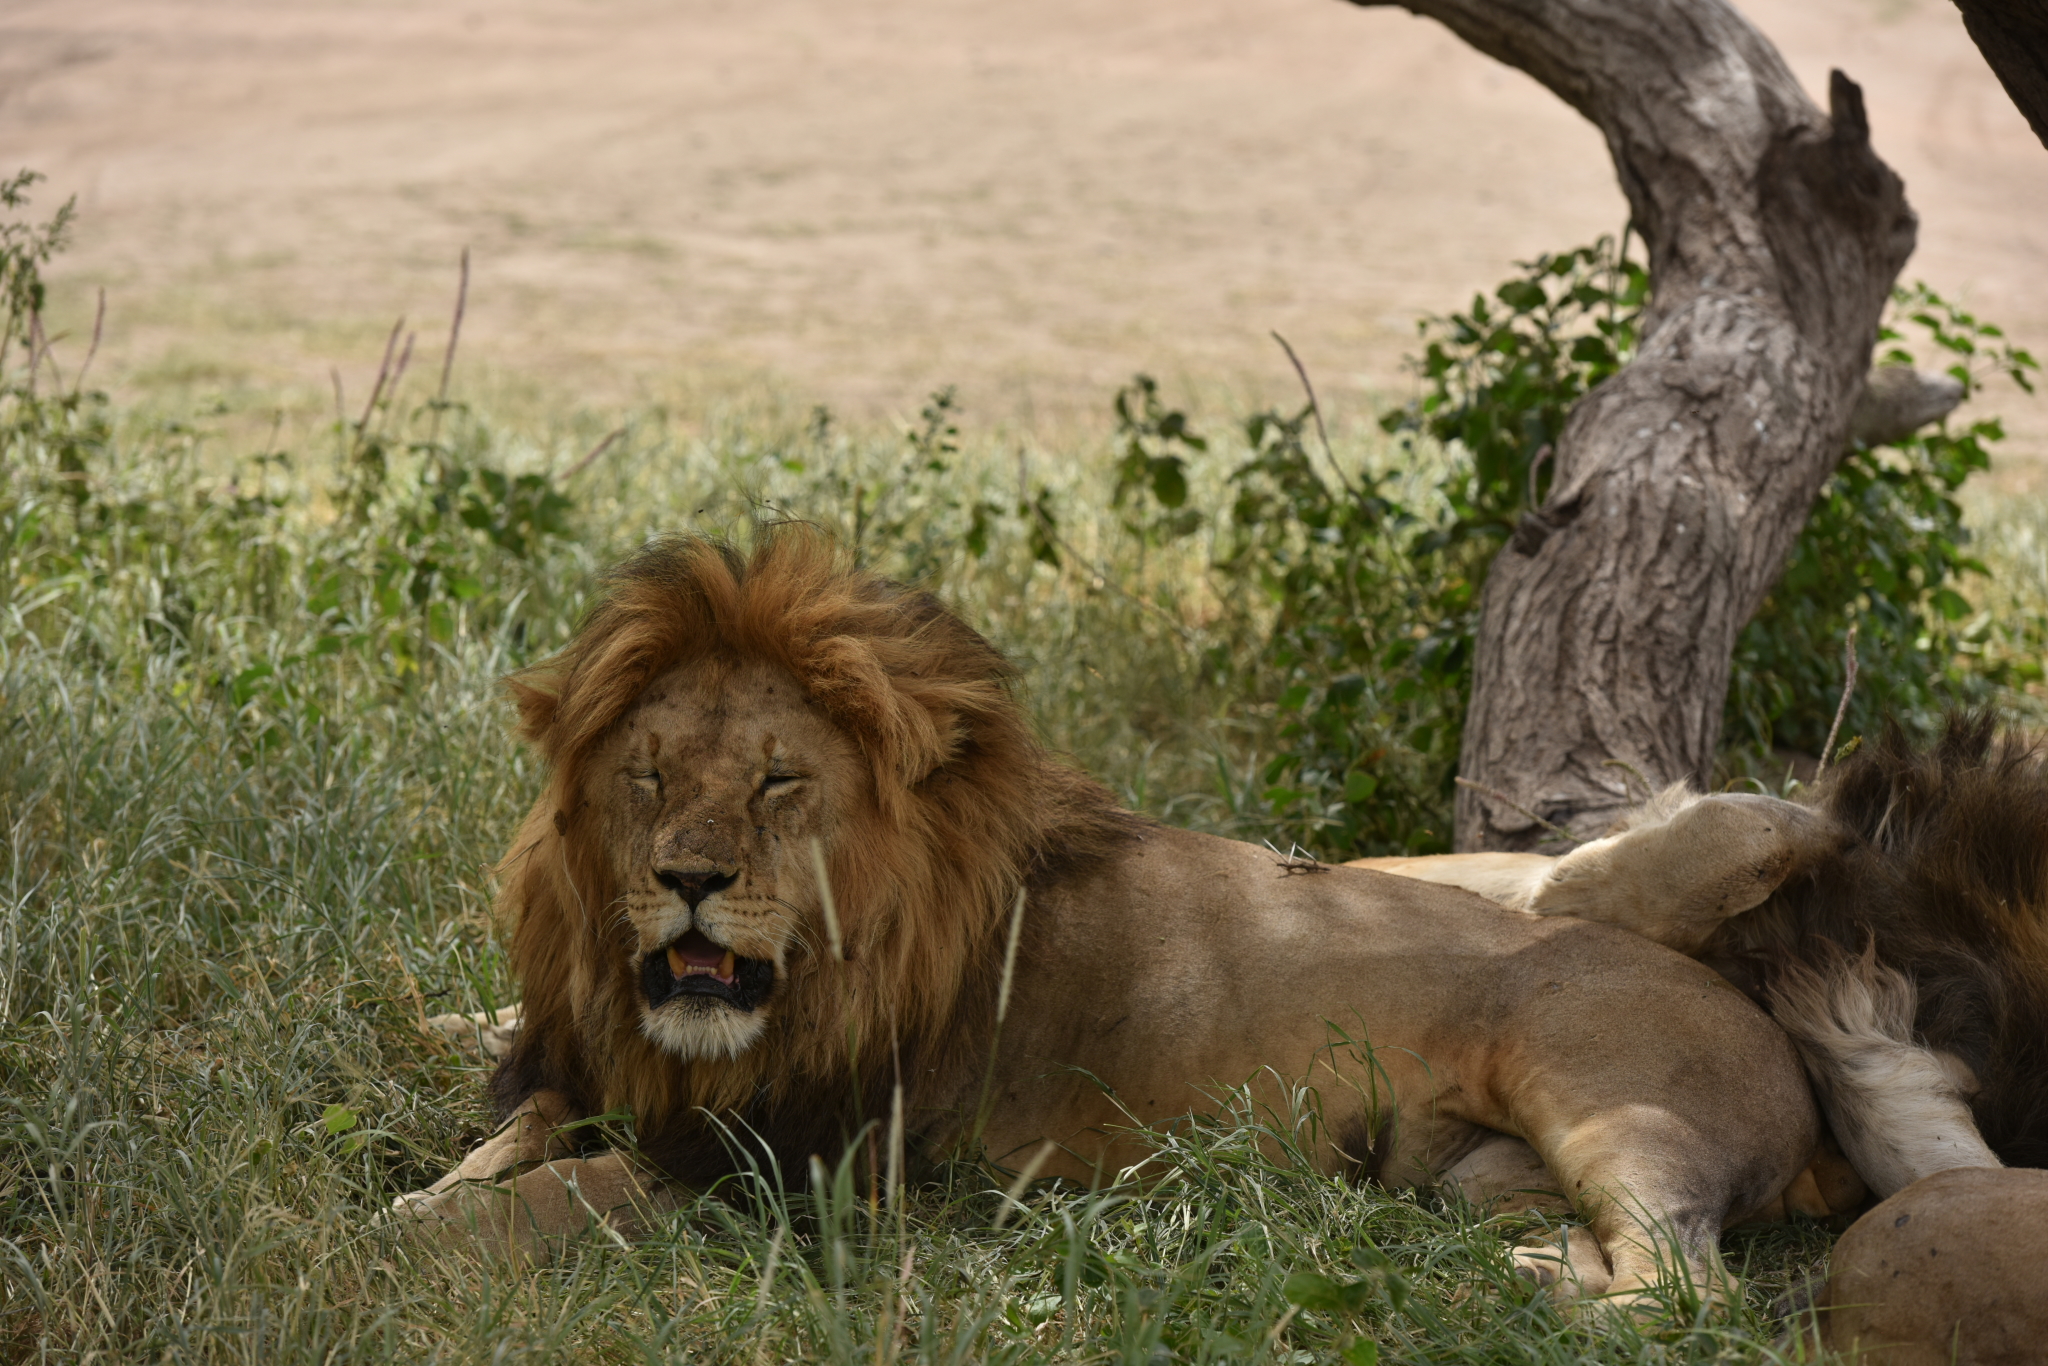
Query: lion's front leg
{"points": [[530, 1216], [527, 1138], [522, 1190]]}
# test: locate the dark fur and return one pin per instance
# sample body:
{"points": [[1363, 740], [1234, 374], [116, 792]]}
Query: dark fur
{"points": [[1947, 880]]}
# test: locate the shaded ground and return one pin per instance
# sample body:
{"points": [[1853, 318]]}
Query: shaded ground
{"points": [[858, 202]]}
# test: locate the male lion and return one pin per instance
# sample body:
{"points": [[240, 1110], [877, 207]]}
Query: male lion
{"points": [[1894, 921], [799, 848]]}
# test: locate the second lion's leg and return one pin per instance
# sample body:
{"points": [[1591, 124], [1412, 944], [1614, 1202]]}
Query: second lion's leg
{"points": [[1685, 865]]}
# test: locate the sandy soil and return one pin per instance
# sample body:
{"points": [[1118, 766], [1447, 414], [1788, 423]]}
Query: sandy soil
{"points": [[860, 201]]}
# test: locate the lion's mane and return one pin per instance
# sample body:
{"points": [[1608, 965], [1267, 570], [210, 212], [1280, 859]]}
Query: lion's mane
{"points": [[964, 809], [1946, 886]]}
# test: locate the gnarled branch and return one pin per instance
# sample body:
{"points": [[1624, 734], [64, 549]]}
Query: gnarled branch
{"points": [[2013, 36], [1774, 236]]}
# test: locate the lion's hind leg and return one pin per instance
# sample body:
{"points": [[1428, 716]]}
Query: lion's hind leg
{"points": [[1505, 1175], [1655, 1193]]}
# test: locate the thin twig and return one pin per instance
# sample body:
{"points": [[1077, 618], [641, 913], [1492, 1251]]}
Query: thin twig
{"points": [[1315, 410], [454, 328], [1504, 799], [448, 356], [340, 409], [38, 351], [1296, 859], [1627, 791], [404, 360], [595, 451], [383, 374], [827, 904], [1010, 959], [1841, 708], [99, 321]]}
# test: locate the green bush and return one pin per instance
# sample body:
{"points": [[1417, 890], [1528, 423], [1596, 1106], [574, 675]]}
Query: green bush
{"points": [[1374, 593], [1885, 548]]}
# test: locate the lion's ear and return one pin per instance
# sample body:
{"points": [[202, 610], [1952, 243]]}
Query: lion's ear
{"points": [[537, 709]]}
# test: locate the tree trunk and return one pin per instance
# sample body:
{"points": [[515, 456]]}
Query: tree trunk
{"points": [[2013, 36], [1774, 237]]}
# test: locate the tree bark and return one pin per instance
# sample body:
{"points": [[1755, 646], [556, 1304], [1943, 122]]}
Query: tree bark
{"points": [[1774, 237], [2013, 36]]}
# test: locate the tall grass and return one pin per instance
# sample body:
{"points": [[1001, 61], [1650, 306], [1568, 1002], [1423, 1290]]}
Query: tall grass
{"points": [[253, 769], [246, 842]]}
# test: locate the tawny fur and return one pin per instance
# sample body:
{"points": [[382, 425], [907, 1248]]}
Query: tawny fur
{"points": [[719, 717], [1899, 1109], [1895, 921], [963, 806]]}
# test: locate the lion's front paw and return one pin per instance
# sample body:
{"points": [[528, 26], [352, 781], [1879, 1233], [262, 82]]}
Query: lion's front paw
{"points": [[1570, 1267], [531, 1215]]}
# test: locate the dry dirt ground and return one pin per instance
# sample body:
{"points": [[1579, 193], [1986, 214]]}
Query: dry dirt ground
{"points": [[854, 201]]}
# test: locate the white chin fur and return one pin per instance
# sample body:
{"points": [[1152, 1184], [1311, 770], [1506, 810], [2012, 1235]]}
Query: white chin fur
{"points": [[707, 1030]]}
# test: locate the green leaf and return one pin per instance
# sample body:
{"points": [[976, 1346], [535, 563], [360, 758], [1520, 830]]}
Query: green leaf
{"points": [[1364, 1352], [1359, 787], [1169, 482], [244, 687], [1312, 1290], [339, 1119]]}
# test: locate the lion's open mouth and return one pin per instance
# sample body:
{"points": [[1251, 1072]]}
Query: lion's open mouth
{"points": [[694, 966]]}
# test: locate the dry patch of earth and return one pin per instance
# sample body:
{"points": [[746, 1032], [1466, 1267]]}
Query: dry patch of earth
{"points": [[855, 202]]}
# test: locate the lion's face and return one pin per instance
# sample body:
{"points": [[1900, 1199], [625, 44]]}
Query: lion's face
{"points": [[709, 793]]}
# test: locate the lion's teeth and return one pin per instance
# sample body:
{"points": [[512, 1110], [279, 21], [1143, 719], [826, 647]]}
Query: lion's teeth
{"points": [[680, 966]]}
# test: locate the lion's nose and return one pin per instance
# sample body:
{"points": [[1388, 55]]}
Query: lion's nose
{"points": [[693, 887]]}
